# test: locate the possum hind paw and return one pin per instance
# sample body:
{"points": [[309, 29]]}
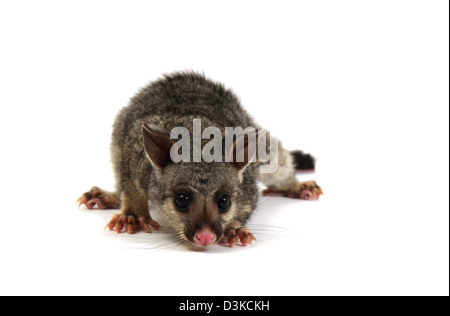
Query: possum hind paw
{"points": [[131, 224], [96, 196], [308, 190], [242, 234]]}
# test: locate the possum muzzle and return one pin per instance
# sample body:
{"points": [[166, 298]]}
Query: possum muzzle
{"points": [[205, 237]]}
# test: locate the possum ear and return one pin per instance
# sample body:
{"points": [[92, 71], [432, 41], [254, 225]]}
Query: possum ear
{"points": [[157, 146], [244, 149]]}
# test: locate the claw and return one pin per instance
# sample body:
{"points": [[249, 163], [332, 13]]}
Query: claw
{"points": [[153, 224], [145, 225], [249, 239], [80, 201], [112, 223], [233, 241], [119, 226]]}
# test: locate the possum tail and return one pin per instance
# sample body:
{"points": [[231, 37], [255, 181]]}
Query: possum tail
{"points": [[303, 161]]}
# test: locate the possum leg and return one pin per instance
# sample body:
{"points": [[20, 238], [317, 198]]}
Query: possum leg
{"points": [[308, 190], [135, 215], [283, 182], [96, 196]]}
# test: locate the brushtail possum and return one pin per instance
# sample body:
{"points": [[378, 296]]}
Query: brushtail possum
{"points": [[204, 201]]}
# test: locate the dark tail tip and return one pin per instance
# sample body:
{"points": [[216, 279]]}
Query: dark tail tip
{"points": [[303, 161]]}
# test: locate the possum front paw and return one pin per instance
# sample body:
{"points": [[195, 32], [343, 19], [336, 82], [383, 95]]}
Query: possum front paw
{"points": [[242, 234], [96, 196], [131, 223], [308, 190]]}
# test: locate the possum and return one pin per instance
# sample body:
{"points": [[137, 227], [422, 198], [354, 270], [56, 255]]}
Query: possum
{"points": [[204, 201]]}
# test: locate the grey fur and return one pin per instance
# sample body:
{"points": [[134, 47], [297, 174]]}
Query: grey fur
{"points": [[175, 100]]}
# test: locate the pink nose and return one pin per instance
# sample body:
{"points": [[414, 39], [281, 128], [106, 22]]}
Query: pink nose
{"points": [[205, 237]]}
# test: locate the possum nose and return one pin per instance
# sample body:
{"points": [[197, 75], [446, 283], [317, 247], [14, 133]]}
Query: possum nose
{"points": [[205, 237]]}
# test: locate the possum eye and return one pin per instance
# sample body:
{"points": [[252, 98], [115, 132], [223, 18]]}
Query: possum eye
{"points": [[223, 203], [182, 201]]}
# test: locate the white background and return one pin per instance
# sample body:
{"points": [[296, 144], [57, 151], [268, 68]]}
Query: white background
{"points": [[363, 85]]}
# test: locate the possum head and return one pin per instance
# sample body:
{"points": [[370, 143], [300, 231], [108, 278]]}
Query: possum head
{"points": [[201, 200]]}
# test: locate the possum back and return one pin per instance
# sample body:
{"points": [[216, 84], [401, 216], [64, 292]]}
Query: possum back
{"points": [[182, 95]]}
